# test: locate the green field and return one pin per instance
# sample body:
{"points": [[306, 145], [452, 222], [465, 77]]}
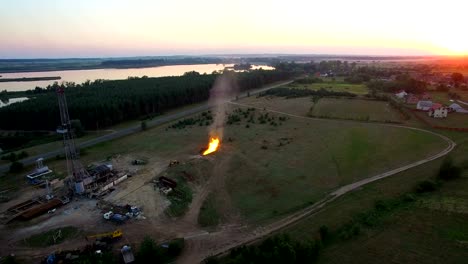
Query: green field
{"points": [[336, 86], [319, 157], [366, 110], [431, 230], [296, 106], [443, 97], [47, 238]]}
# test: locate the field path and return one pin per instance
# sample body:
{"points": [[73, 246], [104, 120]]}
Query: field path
{"points": [[219, 243]]}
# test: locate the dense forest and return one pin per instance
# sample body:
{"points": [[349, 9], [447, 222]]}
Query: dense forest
{"points": [[101, 103]]}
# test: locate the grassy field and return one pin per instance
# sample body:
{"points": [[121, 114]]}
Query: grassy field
{"points": [[316, 158], [296, 106], [442, 97], [336, 86], [432, 230], [47, 238], [453, 120], [355, 109], [209, 214]]}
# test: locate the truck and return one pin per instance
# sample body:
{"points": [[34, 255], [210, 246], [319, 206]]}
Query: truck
{"points": [[117, 218], [127, 254]]}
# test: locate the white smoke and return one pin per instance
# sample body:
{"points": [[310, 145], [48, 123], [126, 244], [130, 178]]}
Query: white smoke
{"points": [[225, 88]]}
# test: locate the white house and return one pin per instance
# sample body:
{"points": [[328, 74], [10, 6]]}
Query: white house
{"points": [[424, 105], [457, 108], [438, 111], [401, 94]]}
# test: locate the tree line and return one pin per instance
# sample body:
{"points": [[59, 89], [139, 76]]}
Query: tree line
{"points": [[100, 104], [296, 92]]}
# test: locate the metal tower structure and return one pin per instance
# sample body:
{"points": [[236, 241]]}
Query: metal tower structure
{"points": [[77, 173]]}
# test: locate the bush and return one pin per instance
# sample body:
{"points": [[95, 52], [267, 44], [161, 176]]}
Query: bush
{"points": [[22, 155], [276, 249], [175, 247], [324, 233], [164, 253], [144, 126], [180, 199], [11, 157], [448, 170], [147, 250], [293, 92], [16, 167], [426, 186]]}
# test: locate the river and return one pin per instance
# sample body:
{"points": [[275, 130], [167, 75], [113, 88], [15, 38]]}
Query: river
{"points": [[12, 101], [80, 76]]}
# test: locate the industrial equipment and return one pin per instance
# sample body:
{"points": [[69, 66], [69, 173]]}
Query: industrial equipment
{"points": [[79, 175], [109, 235]]}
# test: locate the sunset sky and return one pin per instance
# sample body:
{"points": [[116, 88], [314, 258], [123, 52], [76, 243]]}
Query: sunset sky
{"points": [[101, 28]]}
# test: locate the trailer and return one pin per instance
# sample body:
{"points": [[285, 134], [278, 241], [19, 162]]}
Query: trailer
{"points": [[36, 176]]}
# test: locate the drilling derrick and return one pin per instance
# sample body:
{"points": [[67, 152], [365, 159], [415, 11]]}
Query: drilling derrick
{"points": [[77, 173]]}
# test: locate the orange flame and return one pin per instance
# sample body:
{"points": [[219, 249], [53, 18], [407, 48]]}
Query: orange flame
{"points": [[212, 147]]}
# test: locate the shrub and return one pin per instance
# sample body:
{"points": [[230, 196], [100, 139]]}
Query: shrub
{"points": [[16, 167], [147, 250], [144, 126], [324, 233], [22, 155], [448, 170], [426, 186]]}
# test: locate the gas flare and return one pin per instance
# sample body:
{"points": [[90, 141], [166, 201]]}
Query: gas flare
{"points": [[212, 146]]}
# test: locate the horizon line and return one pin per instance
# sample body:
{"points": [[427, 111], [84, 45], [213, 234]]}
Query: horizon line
{"points": [[243, 54]]}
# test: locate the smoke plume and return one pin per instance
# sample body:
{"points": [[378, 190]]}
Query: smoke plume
{"points": [[225, 88]]}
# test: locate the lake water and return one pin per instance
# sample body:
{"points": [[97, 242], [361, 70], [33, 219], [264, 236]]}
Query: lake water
{"points": [[80, 76], [12, 101]]}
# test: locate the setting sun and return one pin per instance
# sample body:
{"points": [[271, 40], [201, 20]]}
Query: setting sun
{"points": [[455, 43]]}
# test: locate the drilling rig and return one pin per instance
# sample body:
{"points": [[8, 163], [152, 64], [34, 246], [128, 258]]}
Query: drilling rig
{"points": [[78, 175]]}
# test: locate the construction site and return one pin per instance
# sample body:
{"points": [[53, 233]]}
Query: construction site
{"points": [[97, 198]]}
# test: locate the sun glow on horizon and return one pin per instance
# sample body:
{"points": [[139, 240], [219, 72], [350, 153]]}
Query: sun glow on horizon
{"points": [[128, 28]]}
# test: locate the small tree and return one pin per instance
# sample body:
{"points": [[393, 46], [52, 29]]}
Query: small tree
{"points": [[77, 127], [457, 78], [426, 186], [148, 250], [144, 126], [448, 170], [16, 167], [22, 155], [324, 233]]}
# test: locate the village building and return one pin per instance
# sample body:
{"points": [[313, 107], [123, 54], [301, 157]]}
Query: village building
{"points": [[438, 111], [457, 108], [401, 94], [426, 96], [424, 105], [412, 99]]}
